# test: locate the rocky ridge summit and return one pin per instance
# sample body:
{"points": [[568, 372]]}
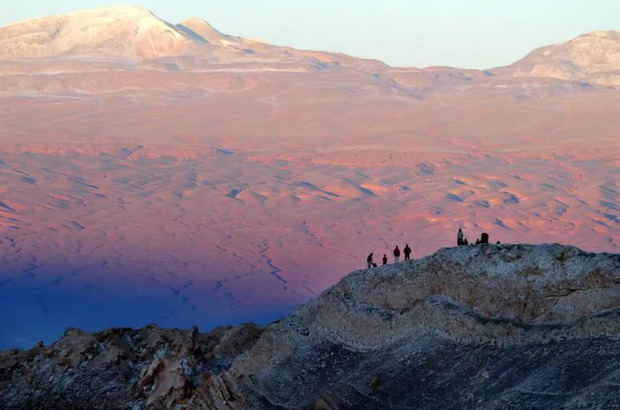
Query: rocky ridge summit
{"points": [[488, 326]]}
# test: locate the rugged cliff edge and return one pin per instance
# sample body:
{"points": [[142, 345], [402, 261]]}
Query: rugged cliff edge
{"points": [[489, 326]]}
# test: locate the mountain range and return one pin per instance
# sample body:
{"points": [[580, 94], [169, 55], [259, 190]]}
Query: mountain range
{"points": [[135, 33]]}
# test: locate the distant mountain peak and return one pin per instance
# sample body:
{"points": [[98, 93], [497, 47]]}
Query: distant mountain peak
{"points": [[603, 33], [130, 31], [592, 57], [199, 24], [203, 29]]}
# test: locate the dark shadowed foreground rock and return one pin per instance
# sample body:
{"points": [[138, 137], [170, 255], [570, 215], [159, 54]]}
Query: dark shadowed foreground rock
{"points": [[489, 326]]}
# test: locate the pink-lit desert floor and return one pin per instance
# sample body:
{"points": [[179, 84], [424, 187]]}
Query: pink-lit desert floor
{"points": [[209, 196]]}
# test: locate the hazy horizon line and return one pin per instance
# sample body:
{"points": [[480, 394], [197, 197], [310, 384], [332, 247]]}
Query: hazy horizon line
{"points": [[445, 56]]}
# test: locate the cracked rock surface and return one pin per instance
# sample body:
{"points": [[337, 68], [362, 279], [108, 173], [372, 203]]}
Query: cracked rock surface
{"points": [[488, 326]]}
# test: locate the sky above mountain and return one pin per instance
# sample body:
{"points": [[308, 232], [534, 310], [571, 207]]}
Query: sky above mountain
{"points": [[474, 34]]}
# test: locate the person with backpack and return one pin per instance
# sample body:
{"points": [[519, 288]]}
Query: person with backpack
{"points": [[407, 252], [396, 254], [369, 261]]}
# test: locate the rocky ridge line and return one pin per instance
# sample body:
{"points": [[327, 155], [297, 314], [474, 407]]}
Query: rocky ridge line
{"points": [[488, 326]]}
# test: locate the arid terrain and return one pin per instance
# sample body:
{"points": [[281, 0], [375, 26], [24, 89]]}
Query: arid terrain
{"points": [[172, 174]]}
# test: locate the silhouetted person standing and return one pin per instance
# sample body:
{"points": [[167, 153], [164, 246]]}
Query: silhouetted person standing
{"points": [[369, 261], [407, 252], [396, 254], [384, 259], [459, 237]]}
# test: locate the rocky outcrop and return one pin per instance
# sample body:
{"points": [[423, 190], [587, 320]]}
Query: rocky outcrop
{"points": [[488, 326], [121, 368]]}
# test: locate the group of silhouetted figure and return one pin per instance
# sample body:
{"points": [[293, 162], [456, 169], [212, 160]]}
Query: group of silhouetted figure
{"points": [[460, 241], [406, 252]]}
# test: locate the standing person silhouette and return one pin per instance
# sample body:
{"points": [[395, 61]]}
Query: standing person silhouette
{"points": [[396, 254], [369, 261], [407, 252], [459, 237], [384, 259]]}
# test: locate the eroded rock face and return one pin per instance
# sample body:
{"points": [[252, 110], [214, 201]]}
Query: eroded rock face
{"points": [[121, 368], [488, 326]]}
